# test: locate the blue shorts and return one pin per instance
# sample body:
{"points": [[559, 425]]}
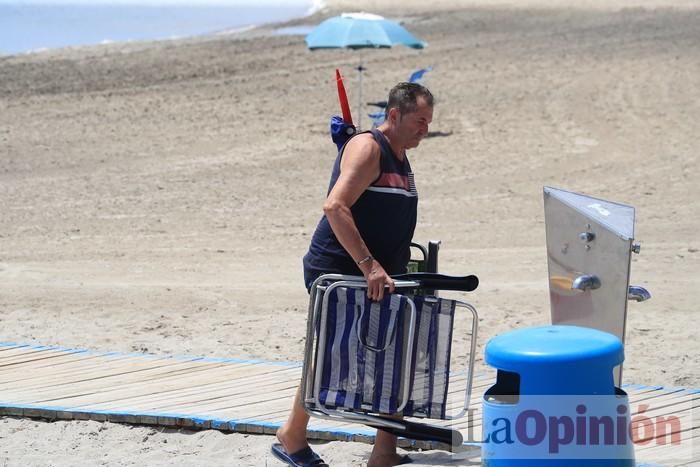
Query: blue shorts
{"points": [[310, 277]]}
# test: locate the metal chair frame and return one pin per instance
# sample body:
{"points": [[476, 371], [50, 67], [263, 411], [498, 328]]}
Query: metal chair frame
{"points": [[315, 348]]}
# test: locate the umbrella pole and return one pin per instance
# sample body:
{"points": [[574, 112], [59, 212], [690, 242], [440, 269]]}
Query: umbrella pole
{"points": [[360, 69]]}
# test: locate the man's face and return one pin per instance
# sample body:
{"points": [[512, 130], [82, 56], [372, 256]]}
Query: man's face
{"points": [[413, 127]]}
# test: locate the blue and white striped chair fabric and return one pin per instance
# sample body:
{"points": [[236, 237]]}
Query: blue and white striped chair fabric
{"points": [[366, 347], [430, 366]]}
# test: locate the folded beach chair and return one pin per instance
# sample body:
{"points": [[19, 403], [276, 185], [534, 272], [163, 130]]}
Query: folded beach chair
{"points": [[369, 362], [379, 116]]}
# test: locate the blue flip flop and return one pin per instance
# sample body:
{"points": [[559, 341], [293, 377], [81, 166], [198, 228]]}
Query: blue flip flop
{"points": [[302, 458], [405, 460]]}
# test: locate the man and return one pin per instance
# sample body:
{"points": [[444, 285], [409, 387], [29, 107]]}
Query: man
{"points": [[367, 227]]}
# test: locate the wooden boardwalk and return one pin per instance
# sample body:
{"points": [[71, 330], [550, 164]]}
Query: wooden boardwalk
{"points": [[254, 397]]}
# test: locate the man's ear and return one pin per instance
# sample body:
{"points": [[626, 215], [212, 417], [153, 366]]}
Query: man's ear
{"points": [[394, 115]]}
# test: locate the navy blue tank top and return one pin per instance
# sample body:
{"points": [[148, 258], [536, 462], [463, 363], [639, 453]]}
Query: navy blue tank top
{"points": [[385, 215]]}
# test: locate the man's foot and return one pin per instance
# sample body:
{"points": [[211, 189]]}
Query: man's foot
{"points": [[292, 442], [302, 458]]}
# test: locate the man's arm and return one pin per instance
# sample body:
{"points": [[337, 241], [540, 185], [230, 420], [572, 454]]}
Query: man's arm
{"points": [[359, 167]]}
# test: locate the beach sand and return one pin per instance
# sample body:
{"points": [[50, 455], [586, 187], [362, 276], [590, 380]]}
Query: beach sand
{"points": [[158, 197]]}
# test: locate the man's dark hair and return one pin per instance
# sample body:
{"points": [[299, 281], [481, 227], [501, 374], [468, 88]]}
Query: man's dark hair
{"points": [[404, 96]]}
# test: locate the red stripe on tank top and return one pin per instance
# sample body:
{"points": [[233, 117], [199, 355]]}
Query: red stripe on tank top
{"points": [[392, 180]]}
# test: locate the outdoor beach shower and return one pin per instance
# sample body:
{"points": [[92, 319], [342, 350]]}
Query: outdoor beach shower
{"points": [[589, 249]]}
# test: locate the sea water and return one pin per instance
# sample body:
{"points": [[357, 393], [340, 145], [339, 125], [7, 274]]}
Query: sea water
{"points": [[30, 26]]}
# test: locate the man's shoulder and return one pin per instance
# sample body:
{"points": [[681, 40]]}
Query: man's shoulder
{"points": [[364, 141]]}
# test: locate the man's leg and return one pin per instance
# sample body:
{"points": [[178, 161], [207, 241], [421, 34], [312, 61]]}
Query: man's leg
{"points": [[384, 451], [292, 434]]}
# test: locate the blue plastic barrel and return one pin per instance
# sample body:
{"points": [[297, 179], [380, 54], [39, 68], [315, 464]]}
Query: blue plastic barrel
{"points": [[555, 402]]}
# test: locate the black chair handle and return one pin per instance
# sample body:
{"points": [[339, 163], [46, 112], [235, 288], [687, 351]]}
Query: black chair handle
{"points": [[431, 280]]}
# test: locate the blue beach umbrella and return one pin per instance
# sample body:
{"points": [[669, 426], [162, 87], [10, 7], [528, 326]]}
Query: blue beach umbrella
{"points": [[360, 31]]}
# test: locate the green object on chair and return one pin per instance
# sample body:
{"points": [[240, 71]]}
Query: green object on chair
{"points": [[428, 262]]}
